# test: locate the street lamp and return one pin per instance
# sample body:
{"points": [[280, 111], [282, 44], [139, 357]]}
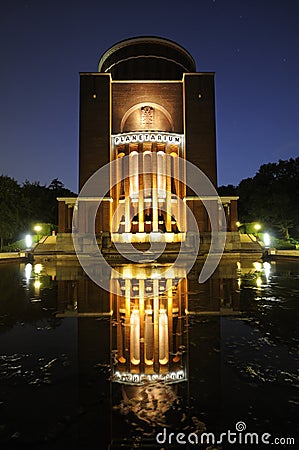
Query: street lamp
{"points": [[28, 241], [257, 228], [38, 229], [267, 239]]}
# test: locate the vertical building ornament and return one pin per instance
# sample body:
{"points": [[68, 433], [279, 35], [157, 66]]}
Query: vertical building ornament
{"points": [[147, 116]]}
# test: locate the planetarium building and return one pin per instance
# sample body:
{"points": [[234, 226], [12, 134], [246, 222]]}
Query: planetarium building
{"points": [[146, 112]]}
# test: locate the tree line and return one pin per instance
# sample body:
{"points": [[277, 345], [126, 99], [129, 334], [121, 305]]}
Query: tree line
{"points": [[23, 205], [270, 197]]}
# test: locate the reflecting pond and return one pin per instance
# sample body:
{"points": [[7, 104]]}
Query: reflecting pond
{"points": [[160, 362]]}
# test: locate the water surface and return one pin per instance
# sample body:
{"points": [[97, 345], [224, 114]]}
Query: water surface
{"points": [[66, 374]]}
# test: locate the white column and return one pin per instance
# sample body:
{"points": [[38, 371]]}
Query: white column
{"points": [[161, 174], [133, 173], [154, 192], [135, 337], [147, 177]]}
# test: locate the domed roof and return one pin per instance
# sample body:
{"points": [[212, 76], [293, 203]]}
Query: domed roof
{"points": [[147, 58]]}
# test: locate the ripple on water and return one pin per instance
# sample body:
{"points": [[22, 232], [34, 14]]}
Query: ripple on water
{"points": [[30, 370]]}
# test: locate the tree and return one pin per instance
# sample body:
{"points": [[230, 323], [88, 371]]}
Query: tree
{"points": [[10, 207], [228, 190], [23, 206], [56, 185], [56, 189], [272, 195]]}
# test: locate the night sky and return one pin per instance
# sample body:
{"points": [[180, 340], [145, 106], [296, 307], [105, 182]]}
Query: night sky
{"points": [[252, 45]]}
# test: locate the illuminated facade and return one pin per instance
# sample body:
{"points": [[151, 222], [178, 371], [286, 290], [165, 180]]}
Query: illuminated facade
{"points": [[146, 103], [148, 343], [149, 315]]}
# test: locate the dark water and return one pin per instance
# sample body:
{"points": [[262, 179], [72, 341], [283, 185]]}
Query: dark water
{"points": [[66, 380]]}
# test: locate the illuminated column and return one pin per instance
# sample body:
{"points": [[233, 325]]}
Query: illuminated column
{"points": [[177, 183], [163, 337], [156, 323], [154, 192], [147, 182], [168, 193], [127, 198], [120, 335], [118, 215], [148, 336], [128, 296], [161, 176], [127, 314], [179, 300], [183, 194], [133, 175], [113, 193], [135, 337], [141, 314], [169, 306], [141, 197], [115, 307]]}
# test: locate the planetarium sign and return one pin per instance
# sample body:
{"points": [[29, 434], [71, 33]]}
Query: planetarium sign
{"points": [[167, 138]]}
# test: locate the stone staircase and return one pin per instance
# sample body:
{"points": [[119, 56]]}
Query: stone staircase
{"points": [[45, 246], [249, 243]]}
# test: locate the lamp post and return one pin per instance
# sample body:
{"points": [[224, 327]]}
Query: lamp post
{"points": [[38, 229], [257, 228], [28, 241], [267, 239]]}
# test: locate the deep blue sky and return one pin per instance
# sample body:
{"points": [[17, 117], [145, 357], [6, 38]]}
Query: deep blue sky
{"points": [[252, 45]]}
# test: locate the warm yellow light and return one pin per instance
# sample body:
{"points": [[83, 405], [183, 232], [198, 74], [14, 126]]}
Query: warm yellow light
{"points": [[135, 337], [127, 237], [257, 226], [37, 268], [259, 282], [163, 337], [127, 273], [37, 284], [267, 269], [28, 270], [258, 266], [37, 228], [238, 224], [156, 275], [267, 239], [28, 240], [169, 237]]}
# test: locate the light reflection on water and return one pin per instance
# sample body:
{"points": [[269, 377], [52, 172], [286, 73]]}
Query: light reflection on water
{"points": [[163, 353]]}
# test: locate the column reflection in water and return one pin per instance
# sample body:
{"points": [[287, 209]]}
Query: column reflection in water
{"points": [[155, 346], [149, 348], [147, 313]]}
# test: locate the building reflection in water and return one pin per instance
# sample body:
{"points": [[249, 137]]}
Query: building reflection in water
{"points": [[155, 341], [149, 316], [149, 347]]}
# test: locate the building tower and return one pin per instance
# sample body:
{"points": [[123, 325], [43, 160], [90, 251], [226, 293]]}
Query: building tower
{"points": [[146, 103]]}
